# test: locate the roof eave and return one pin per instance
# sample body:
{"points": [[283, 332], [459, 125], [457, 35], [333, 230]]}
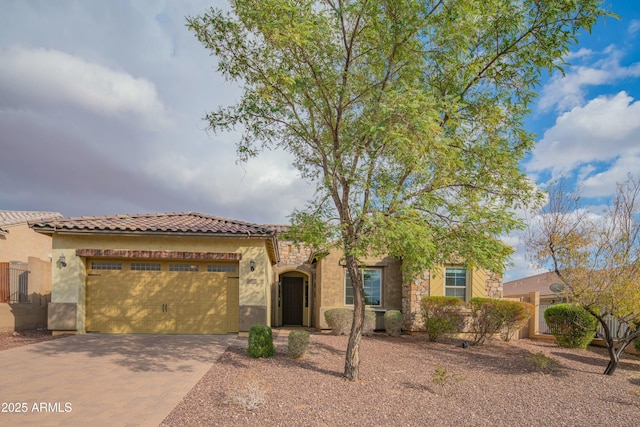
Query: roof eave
{"points": [[129, 233]]}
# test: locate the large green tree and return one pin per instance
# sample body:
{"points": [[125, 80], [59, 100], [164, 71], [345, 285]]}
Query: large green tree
{"points": [[597, 258], [406, 115]]}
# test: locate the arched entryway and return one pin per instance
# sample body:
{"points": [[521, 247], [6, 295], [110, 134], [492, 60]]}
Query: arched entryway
{"points": [[294, 297]]}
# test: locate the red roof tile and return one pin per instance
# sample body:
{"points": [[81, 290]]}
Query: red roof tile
{"points": [[176, 222]]}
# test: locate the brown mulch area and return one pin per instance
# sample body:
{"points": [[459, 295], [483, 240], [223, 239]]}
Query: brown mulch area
{"points": [[412, 382], [10, 339]]}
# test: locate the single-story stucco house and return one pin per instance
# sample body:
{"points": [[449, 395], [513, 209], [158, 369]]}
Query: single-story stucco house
{"points": [[189, 273]]}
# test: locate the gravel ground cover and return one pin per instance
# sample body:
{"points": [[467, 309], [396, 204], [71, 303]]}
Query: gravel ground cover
{"points": [[408, 381], [10, 339]]}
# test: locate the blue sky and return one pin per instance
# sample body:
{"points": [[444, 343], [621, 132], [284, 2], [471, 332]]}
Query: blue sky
{"points": [[101, 105], [587, 122]]}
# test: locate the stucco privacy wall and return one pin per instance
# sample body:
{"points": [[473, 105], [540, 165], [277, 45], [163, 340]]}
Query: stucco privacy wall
{"points": [[69, 283], [32, 314]]}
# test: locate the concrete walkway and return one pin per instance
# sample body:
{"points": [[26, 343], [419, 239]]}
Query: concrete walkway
{"points": [[103, 380]]}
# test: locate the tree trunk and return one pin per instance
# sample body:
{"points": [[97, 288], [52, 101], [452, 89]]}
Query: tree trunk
{"points": [[611, 366], [352, 359]]}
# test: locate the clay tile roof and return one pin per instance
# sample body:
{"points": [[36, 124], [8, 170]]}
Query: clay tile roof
{"points": [[175, 222], [8, 218]]}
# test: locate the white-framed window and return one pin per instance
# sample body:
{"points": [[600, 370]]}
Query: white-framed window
{"points": [[455, 282], [372, 287]]}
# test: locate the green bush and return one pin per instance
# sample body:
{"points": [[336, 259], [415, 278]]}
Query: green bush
{"points": [[491, 316], [486, 318], [571, 325], [442, 316], [298, 343], [261, 341], [515, 314], [393, 322], [341, 319]]}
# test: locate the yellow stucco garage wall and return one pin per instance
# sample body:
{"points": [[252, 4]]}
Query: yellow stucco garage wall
{"points": [[69, 283]]}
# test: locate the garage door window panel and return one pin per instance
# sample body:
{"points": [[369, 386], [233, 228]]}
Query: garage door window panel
{"points": [[186, 268], [106, 265], [221, 268], [145, 266]]}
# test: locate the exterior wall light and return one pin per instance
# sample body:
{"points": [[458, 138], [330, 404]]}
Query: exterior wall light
{"points": [[252, 265], [62, 261]]}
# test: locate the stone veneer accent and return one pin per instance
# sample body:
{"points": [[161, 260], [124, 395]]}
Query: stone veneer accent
{"points": [[494, 285], [290, 254], [413, 292]]}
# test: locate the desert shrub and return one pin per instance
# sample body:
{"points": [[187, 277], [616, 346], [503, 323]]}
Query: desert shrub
{"points": [[541, 362], [369, 323], [393, 322], [515, 315], [571, 325], [486, 318], [250, 396], [298, 343], [490, 316], [261, 341], [341, 319], [442, 316]]}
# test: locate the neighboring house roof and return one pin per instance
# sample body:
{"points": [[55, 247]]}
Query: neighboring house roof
{"points": [[8, 218], [162, 223], [277, 228], [538, 283]]}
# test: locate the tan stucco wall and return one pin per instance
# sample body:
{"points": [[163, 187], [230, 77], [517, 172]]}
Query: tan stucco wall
{"points": [[255, 297], [21, 242], [31, 314], [330, 279]]}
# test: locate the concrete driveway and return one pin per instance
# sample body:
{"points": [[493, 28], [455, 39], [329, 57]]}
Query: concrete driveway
{"points": [[103, 380]]}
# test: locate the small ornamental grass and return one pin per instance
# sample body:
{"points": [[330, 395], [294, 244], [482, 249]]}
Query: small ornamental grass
{"points": [[541, 362], [261, 341], [298, 342]]}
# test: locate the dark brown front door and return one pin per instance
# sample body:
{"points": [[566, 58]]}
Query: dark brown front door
{"points": [[292, 300]]}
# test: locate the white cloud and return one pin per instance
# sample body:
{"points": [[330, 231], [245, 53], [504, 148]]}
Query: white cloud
{"points": [[603, 184], [563, 93], [58, 78], [634, 27], [604, 130]]}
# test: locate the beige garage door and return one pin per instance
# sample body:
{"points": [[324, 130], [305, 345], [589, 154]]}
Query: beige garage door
{"points": [[161, 297]]}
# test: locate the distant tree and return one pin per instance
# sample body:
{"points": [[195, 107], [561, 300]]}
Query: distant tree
{"points": [[406, 115], [598, 259]]}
